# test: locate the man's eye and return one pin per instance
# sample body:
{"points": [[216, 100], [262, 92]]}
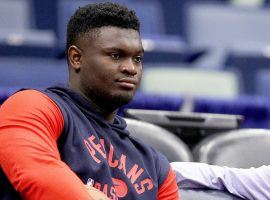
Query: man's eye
{"points": [[115, 56], [138, 59]]}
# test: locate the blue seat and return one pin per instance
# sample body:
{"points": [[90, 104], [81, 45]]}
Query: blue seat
{"points": [[221, 27], [151, 16], [20, 12], [224, 25], [18, 35], [262, 82], [248, 64], [38, 73]]}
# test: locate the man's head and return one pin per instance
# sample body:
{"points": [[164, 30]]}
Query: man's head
{"points": [[104, 52], [94, 16]]}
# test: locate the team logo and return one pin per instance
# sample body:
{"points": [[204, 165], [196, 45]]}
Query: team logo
{"points": [[121, 188]]}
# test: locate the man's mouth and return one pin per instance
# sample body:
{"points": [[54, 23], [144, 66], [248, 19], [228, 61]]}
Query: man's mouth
{"points": [[128, 83]]}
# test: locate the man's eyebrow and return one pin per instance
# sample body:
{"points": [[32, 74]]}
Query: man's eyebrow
{"points": [[120, 49]]}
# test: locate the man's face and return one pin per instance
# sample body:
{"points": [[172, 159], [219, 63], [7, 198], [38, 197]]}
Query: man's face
{"points": [[111, 67]]}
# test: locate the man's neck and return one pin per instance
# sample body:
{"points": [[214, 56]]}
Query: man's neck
{"points": [[107, 113]]}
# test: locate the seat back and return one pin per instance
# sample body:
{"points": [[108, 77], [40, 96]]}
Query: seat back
{"points": [[18, 33], [239, 148], [15, 14], [262, 82], [24, 72], [150, 14], [223, 25], [164, 141], [187, 81]]}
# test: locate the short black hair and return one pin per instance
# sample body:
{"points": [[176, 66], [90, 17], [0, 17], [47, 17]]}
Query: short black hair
{"points": [[98, 15]]}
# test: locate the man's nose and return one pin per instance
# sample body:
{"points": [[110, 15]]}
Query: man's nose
{"points": [[128, 67]]}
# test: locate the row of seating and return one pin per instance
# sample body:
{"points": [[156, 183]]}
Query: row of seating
{"points": [[175, 150], [242, 148], [201, 27]]}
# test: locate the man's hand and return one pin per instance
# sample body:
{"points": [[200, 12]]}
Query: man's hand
{"points": [[96, 194]]}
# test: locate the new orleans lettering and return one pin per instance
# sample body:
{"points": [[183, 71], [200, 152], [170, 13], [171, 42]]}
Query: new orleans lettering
{"points": [[109, 192], [96, 150]]}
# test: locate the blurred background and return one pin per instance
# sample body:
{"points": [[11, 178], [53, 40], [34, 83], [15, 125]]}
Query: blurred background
{"points": [[206, 70], [210, 56]]}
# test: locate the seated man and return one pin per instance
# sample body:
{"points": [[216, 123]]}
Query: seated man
{"points": [[54, 142], [253, 183]]}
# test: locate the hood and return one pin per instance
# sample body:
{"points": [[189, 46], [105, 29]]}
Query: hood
{"points": [[119, 124]]}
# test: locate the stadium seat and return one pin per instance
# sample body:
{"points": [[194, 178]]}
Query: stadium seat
{"points": [[164, 141], [262, 82], [242, 148], [248, 64], [220, 26], [20, 12], [18, 36], [21, 72], [223, 25]]}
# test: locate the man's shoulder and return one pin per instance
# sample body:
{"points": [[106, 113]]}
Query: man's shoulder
{"points": [[26, 97], [29, 102]]}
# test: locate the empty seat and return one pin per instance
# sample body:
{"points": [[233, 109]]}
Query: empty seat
{"points": [[18, 36], [262, 82], [242, 148], [31, 72], [15, 14], [220, 26], [223, 25], [248, 64], [161, 139]]}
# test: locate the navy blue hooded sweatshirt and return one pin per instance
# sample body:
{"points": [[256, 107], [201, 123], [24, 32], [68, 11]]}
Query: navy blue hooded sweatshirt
{"points": [[105, 154]]}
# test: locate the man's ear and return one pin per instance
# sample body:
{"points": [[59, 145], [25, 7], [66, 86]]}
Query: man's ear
{"points": [[74, 57]]}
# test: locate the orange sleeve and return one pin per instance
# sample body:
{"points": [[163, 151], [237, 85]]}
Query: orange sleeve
{"points": [[30, 123], [169, 188]]}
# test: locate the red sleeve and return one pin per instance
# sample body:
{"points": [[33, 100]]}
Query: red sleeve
{"points": [[169, 189], [30, 123]]}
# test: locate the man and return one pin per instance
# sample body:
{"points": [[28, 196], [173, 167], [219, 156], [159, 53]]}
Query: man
{"points": [[55, 142], [252, 183]]}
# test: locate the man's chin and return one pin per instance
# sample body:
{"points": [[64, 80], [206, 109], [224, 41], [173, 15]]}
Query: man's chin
{"points": [[120, 99]]}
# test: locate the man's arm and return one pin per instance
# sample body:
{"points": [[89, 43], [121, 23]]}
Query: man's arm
{"points": [[253, 183], [30, 124], [169, 188]]}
